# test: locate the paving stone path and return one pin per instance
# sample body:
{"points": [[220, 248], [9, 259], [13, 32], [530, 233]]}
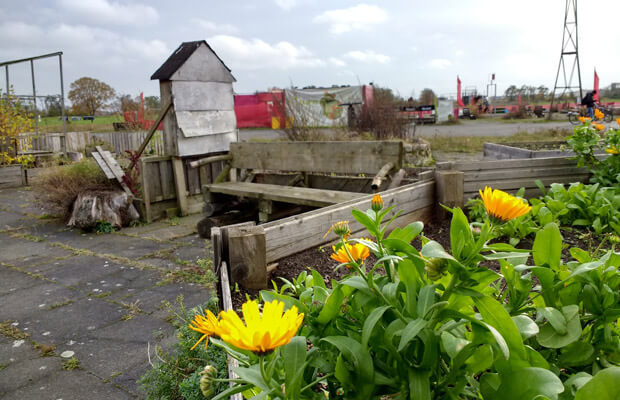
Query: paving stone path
{"points": [[95, 296]]}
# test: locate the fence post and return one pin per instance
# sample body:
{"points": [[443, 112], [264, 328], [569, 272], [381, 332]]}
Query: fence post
{"points": [[247, 251], [449, 190]]}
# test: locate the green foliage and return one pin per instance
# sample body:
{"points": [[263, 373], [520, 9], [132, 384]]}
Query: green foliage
{"points": [[174, 375], [104, 227], [14, 119], [587, 141]]}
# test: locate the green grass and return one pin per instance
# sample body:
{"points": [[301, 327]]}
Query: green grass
{"points": [[107, 119], [473, 144]]}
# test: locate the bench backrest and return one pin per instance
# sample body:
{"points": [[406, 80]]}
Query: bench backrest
{"points": [[363, 157]]}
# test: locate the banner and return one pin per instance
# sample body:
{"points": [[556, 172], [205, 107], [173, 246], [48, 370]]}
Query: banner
{"points": [[444, 110], [595, 97], [322, 106], [459, 99]]}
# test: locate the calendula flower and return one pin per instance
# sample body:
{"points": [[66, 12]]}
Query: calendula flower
{"points": [[502, 206], [358, 253], [260, 333], [599, 127], [206, 326], [340, 228], [582, 120], [376, 204], [206, 380], [612, 150], [618, 121], [435, 268], [598, 114]]}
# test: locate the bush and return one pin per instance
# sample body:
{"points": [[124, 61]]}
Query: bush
{"points": [[589, 139], [57, 189]]}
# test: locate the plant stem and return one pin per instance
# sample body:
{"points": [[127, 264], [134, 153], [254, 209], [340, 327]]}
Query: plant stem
{"points": [[319, 379]]}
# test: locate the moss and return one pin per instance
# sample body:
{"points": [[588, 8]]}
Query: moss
{"points": [[71, 364]]}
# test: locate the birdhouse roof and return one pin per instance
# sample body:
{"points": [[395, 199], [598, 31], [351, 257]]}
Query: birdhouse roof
{"points": [[180, 56]]}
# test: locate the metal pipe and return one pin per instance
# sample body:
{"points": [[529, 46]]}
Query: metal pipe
{"points": [[6, 67], [34, 99], [30, 58], [62, 101]]}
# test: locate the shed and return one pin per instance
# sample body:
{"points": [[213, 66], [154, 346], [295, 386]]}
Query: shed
{"points": [[199, 85]]}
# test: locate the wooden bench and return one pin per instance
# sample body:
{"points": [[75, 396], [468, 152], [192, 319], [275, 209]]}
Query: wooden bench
{"points": [[371, 158]]}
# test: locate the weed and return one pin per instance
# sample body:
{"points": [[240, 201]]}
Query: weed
{"points": [[9, 330], [201, 274], [103, 295], [3, 366], [104, 227], [132, 310], [71, 364], [60, 304], [114, 375], [174, 221], [45, 350]]}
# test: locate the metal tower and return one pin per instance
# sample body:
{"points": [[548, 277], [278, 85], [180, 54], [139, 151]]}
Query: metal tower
{"points": [[569, 58]]}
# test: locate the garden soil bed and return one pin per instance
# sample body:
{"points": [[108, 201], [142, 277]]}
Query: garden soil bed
{"points": [[318, 259]]}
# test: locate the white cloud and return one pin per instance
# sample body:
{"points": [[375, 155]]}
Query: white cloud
{"points": [[439, 63], [367, 56], [286, 4], [337, 62], [359, 17], [213, 27], [106, 12], [252, 54]]}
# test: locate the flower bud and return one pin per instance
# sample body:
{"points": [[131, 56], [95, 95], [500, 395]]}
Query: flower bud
{"points": [[206, 385], [341, 228], [376, 204], [435, 268]]}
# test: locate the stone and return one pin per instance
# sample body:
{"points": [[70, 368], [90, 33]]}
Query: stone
{"points": [[113, 207]]}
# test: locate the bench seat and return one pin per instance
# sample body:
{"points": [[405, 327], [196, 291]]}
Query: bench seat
{"points": [[286, 194]]}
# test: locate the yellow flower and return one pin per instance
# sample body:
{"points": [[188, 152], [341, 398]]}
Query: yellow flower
{"points": [[598, 114], [582, 120], [260, 333], [599, 127], [358, 252], [612, 150], [618, 121], [501, 205], [376, 204], [206, 326]]}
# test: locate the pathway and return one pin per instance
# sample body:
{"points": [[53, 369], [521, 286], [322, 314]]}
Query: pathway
{"points": [[98, 296]]}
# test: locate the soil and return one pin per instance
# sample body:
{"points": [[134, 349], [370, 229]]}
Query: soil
{"points": [[538, 146], [319, 259]]}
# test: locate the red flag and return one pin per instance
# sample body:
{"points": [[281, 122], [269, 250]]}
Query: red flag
{"points": [[595, 97], [519, 98], [459, 99]]}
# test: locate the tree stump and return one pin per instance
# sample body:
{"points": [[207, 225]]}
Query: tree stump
{"points": [[114, 207]]}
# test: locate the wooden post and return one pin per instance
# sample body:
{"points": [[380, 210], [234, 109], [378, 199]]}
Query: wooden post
{"points": [[179, 184], [449, 190], [146, 195], [248, 256], [265, 209]]}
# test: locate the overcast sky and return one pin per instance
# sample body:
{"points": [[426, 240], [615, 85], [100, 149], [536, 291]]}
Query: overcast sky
{"points": [[406, 45]]}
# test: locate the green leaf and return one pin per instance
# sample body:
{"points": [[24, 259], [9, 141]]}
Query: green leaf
{"points": [[411, 331], [549, 337], [426, 299], [365, 220], [528, 384], [361, 360], [576, 354], [580, 255], [432, 249], [461, 238], [555, 318], [419, 384], [587, 267], [332, 306], [573, 384], [495, 315], [409, 277], [603, 386], [499, 339], [370, 323], [358, 283], [252, 375], [408, 233], [294, 356], [547, 248], [317, 279], [527, 328]]}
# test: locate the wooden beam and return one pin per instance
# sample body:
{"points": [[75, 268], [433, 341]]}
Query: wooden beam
{"points": [[247, 253], [397, 179], [376, 182], [208, 160], [108, 161], [148, 137], [179, 184], [228, 305], [449, 189], [222, 176]]}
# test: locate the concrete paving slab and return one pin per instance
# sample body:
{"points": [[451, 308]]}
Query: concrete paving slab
{"points": [[81, 271], [14, 248], [168, 232], [22, 304], [29, 371], [13, 281], [76, 384]]}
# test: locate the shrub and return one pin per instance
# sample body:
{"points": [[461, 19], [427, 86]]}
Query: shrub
{"points": [[587, 140], [14, 119]]}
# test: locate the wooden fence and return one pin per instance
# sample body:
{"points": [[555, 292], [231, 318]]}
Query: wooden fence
{"points": [[158, 181]]}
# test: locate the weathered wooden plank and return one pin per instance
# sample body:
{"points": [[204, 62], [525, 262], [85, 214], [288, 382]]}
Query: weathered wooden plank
{"points": [[12, 176], [508, 164], [146, 196], [345, 157], [294, 234], [247, 249], [103, 165], [179, 184], [449, 190], [193, 179], [152, 159], [232, 363], [286, 194], [153, 176], [509, 184], [534, 173], [166, 180]]}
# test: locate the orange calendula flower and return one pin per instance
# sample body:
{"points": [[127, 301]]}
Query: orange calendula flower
{"points": [[358, 253], [503, 206], [206, 326], [376, 204], [260, 333], [618, 121], [612, 150], [582, 120], [598, 114], [599, 127]]}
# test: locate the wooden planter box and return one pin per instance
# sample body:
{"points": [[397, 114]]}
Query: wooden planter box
{"points": [[12, 176]]}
